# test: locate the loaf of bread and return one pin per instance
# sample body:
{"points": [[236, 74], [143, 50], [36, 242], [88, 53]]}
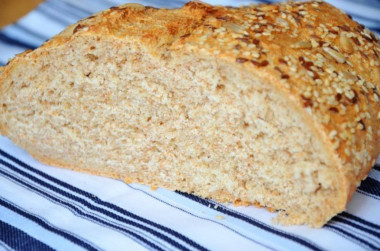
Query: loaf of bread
{"points": [[271, 105]]}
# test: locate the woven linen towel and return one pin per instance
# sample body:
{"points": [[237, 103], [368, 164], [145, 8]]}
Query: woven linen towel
{"points": [[48, 208]]}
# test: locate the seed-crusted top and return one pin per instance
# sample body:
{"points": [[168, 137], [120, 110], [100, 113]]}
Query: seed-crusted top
{"points": [[327, 63], [319, 55]]}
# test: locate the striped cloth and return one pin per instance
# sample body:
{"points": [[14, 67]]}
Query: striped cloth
{"points": [[47, 208]]}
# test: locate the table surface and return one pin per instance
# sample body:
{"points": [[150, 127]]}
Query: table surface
{"points": [[11, 10]]}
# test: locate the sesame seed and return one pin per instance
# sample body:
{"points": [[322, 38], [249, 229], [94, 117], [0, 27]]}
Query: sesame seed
{"points": [[302, 45], [335, 145], [357, 109], [255, 54], [332, 134], [350, 94], [339, 57], [246, 53], [347, 151], [375, 97], [361, 125]]}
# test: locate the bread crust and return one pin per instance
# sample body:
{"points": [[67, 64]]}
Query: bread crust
{"points": [[326, 65]]}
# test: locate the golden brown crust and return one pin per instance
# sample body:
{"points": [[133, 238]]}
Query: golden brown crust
{"points": [[327, 64], [58, 163], [321, 61], [219, 196]]}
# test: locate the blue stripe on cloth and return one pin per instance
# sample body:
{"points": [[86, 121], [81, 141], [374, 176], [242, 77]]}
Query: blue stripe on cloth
{"points": [[15, 42], [362, 242], [64, 202], [54, 17], [357, 226], [100, 202], [352, 229], [99, 220], [45, 225], [203, 218], [347, 238], [377, 167], [368, 194], [19, 240], [369, 238], [251, 221], [35, 230], [264, 1], [70, 8], [370, 186], [30, 32], [5, 246], [359, 220], [77, 211], [376, 30]]}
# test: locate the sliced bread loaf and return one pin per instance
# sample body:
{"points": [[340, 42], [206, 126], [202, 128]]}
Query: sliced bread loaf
{"points": [[273, 105]]}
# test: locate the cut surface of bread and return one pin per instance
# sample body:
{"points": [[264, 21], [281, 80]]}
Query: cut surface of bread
{"points": [[207, 100]]}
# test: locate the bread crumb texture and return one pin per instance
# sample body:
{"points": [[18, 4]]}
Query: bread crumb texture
{"points": [[268, 105]]}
